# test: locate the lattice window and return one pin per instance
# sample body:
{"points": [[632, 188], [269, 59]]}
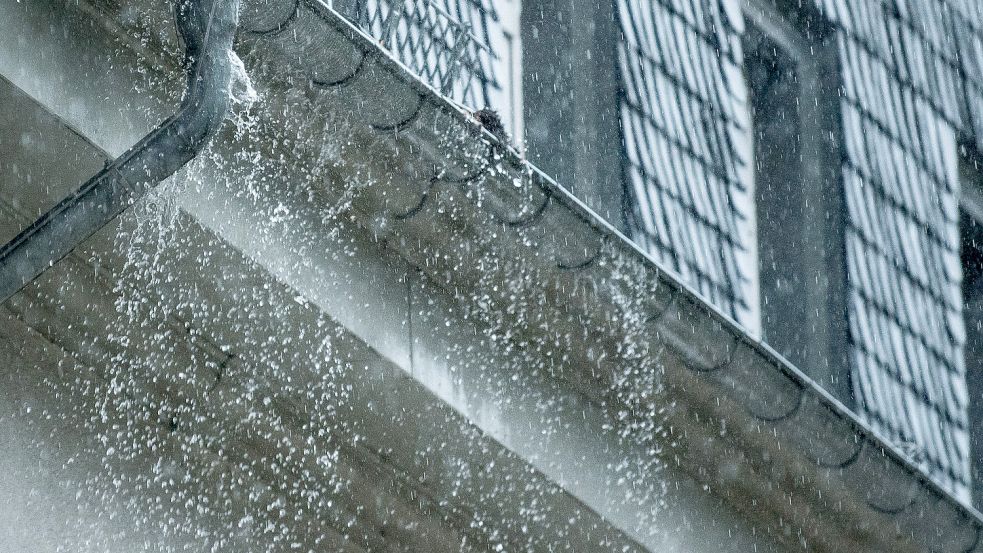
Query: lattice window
{"points": [[447, 42], [903, 106], [685, 127]]}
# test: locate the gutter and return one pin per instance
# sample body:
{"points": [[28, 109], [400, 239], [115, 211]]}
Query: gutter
{"points": [[466, 211], [207, 28]]}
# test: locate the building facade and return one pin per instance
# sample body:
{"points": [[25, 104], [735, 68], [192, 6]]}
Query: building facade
{"points": [[799, 167], [711, 283]]}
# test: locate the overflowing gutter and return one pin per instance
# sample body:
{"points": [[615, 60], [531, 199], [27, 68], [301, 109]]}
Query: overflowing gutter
{"points": [[207, 28], [467, 211]]}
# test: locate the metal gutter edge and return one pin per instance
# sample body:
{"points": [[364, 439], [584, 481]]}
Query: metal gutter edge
{"points": [[515, 212], [207, 28]]}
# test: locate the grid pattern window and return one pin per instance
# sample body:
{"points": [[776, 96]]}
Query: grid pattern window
{"points": [[901, 112], [686, 128], [454, 45]]}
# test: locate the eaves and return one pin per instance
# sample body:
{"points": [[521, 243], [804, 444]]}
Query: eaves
{"points": [[474, 216]]}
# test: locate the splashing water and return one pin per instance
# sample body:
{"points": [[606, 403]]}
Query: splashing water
{"points": [[242, 91]]}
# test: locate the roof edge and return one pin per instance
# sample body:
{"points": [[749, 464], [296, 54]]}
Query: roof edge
{"points": [[575, 253]]}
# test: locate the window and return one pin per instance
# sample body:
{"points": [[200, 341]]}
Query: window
{"points": [[451, 44], [685, 151], [791, 71]]}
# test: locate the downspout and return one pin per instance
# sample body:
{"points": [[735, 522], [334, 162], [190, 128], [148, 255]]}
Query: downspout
{"points": [[207, 28]]}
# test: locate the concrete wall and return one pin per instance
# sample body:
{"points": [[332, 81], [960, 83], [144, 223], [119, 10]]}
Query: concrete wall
{"points": [[799, 193], [570, 99]]}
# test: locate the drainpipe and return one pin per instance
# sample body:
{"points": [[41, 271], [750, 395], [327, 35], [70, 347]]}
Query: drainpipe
{"points": [[207, 28]]}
